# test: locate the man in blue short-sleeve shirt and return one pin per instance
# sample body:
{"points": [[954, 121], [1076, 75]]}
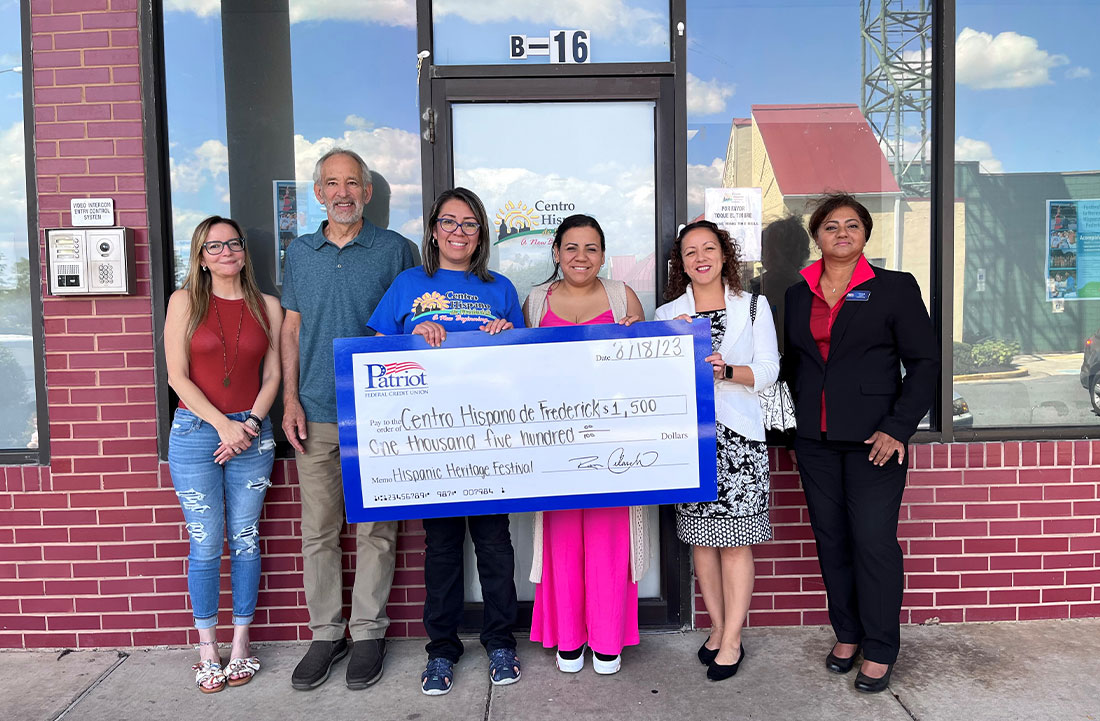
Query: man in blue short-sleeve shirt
{"points": [[332, 281]]}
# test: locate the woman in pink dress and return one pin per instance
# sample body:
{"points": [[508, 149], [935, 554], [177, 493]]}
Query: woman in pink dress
{"points": [[587, 563]]}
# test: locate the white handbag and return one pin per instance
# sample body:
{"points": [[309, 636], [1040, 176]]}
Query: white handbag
{"points": [[776, 403]]}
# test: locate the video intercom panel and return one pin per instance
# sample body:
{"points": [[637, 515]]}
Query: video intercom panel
{"points": [[90, 261]]}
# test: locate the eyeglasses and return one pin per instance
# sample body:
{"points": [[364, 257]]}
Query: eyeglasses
{"points": [[447, 225], [215, 247]]}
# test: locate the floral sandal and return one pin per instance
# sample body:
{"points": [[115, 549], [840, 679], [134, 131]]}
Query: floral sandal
{"points": [[241, 670], [209, 676]]}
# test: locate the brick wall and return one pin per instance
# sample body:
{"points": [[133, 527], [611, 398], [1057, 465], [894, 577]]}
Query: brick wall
{"points": [[92, 548], [991, 532]]}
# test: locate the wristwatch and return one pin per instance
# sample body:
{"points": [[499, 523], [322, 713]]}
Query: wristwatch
{"points": [[254, 422], [728, 373]]}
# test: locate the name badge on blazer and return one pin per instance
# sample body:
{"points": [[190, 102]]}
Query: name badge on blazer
{"points": [[858, 295]]}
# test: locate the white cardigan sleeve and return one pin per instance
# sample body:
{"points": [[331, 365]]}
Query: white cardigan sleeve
{"points": [[765, 351]]}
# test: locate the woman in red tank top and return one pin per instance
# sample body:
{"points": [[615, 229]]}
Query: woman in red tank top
{"points": [[587, 562], [220, 342]]}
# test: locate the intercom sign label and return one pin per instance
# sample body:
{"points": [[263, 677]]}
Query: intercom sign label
{"points": [[92, 212]]}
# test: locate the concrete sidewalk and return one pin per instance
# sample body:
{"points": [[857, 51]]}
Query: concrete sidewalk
{"points": [[977, 672]]}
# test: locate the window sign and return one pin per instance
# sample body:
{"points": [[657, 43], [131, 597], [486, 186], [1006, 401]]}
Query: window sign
{"points": [[92, 212], [1073, 249], [561, 46], [737, 211]]}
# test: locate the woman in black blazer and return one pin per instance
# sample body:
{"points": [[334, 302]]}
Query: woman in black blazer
{"points": [[849, 328]]}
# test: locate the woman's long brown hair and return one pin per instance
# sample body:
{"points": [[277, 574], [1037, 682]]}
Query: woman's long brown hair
{"points": [[198, 284]]}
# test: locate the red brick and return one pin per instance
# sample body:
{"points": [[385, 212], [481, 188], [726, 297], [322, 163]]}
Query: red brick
{"points": [[84, 148], [1068, 560], [946, 529], [1069, 525], [112, 93], [1014, 596], [1083, 543], [57, 131], [936, 511], [88, 184], [1045, 475], [936, 478], [991, 510], [921, 580], [961, 598], [1059, 595], [46, 115], [1033, 613], [96, 534], [80, 41], [1076, 491], [1088, 610], [962, 563], [1015, 528], [114, 129], [121, 38], [1016, 562], [1029, 492], [1046, 510], [1089, 474], [990, 614], [962, 494], [990, 477], [985, 580], [126, 111], [43, 570], [1042, 544], [1086, 508], [59, 166], [1038, 578], [103, 604], [57, 59], [104, 640], [54, 23], [114, 56]]}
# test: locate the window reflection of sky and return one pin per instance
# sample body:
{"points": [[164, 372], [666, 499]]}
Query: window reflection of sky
{"points": [[597, 156], [469, 33]]}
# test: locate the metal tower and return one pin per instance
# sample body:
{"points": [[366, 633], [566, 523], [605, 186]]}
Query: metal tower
{"points": [[896, 98]]}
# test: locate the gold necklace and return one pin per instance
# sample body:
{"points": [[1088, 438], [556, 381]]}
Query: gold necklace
{"points": [[236, 345]]}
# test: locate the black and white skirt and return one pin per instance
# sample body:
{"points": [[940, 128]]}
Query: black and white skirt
{"points": [[740, 515]]}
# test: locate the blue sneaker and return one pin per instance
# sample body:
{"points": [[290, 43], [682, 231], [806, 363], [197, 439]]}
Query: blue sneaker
{"points": [[503, 666], [437, 677]]}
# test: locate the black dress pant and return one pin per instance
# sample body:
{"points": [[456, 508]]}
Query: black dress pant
{"points": [[443, 581], [854, 507]]}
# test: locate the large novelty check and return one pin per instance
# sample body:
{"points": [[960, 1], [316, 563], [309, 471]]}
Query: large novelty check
{"points": [[539, 419]]}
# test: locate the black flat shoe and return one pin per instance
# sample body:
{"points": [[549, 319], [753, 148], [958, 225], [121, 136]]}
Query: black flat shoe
{"points": [[706, 655], [836, 664], [866, 684], [720, 671]]}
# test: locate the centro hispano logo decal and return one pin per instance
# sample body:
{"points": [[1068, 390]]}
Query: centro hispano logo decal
{"points": [[390, 376], [533, 225]]}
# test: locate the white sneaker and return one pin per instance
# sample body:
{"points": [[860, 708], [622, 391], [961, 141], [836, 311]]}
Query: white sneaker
{"points": [[606, 668], [570, 665]]}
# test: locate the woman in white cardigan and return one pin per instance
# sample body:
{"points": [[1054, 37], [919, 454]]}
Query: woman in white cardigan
{"points": [[587, 562], [745, 360]]}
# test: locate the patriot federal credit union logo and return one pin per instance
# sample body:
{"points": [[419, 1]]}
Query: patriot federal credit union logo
{"points": [[534, 225], [392, 376]]}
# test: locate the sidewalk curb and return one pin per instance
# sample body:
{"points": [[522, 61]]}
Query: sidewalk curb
{"points": [[998, 375]]}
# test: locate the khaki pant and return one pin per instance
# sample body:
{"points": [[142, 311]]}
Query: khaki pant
{"points": [[322, 489]]}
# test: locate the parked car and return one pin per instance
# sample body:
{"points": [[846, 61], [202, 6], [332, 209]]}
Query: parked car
{"points": [[960, 414], [1090, 370]]}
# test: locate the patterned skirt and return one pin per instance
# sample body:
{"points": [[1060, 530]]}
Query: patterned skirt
{"points": [[740, 515]]}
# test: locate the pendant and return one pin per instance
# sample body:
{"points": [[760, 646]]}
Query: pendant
{"points": [[225, 382]]}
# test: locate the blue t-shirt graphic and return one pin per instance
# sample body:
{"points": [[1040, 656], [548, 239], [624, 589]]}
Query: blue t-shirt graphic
{"points": [[451, 298]]}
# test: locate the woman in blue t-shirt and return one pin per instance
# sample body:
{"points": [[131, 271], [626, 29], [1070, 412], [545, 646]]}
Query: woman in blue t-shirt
{"points": [[455, 291]]}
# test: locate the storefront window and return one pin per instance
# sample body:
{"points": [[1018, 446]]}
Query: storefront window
{"points": [[539, 32], [18, 422], [330, 75], [1027, 173], [789, 100]]}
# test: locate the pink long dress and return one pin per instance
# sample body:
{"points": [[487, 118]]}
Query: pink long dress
{"points": [[586, 595]]}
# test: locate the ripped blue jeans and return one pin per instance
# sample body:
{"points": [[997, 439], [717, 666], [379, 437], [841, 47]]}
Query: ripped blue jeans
{"points": [[215, 497]]}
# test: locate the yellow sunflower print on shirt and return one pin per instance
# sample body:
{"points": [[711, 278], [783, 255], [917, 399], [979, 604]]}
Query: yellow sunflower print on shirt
{"points": [[429, 302]]}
